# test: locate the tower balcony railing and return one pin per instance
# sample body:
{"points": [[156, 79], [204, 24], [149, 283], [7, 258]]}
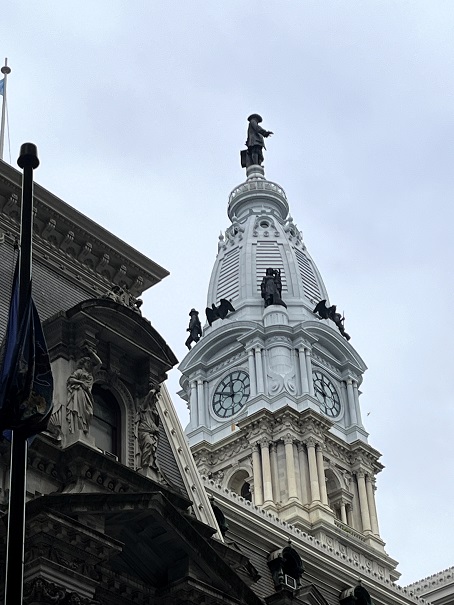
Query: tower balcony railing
{"points": [[259, 185], [349, 530]]}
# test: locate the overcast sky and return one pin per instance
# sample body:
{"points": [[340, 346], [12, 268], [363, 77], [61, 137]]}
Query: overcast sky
{"points": [[139, 111]]}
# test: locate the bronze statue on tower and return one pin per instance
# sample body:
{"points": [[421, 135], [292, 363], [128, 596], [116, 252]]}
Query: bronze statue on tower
{"points": [[255, 142]]}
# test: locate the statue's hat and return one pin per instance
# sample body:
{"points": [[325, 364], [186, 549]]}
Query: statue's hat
{"points": [[192, 311], [255, 116]]}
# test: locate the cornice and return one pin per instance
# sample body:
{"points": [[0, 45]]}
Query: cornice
{"points": [[433, 582], [77, 242], [324, 556]]}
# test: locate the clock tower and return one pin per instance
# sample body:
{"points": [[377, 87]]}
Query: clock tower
{"points": [[273, 387]]}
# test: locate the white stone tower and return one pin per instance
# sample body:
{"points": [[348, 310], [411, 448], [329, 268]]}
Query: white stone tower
{"points": [[273, 391]]}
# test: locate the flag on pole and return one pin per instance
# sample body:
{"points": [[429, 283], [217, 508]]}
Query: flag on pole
{"points": [[26, 382], [2, 86]]}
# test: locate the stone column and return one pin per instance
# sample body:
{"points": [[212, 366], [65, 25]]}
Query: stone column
{"points": [[372, 507], [351, 401], [344, 397], [343, 513], [205, 400], [302, 458], [321, 473], [253, 380], [194, 405], [313, 475], [303, 370], [349, 515], [309, 371], [356, 400], [265, 366], [290, 468], [201, 402], [259, 367], [363, 504], [266, 470], [257, 470], [275, 473]]}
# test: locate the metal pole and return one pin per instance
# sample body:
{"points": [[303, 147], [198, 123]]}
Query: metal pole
{"points": [[14, 584], [5, 71]]}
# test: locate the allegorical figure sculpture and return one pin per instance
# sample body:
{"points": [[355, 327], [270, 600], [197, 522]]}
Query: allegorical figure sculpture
{"points": [[255, 142], [325, 312], [148, 430], [220, 312], [194, 329], [271, 288], [123, 296], [79, 409]]}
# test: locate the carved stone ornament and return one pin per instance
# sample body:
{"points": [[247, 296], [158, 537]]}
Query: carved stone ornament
{"points": [[79, 409], [147, 430], [43, 592], [121, 295]]}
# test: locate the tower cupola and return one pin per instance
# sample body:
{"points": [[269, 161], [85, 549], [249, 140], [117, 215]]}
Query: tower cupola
{"points": [[273, 384]]}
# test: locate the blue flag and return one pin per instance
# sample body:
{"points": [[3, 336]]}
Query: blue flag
{"points": [[2, 86], [26, 382]]}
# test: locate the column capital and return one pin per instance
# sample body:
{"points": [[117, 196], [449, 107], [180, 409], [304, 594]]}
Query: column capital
{"points": [[273, 446], [256, 446], [288, 438], [264, 442], [310, 442], [360, 473]]}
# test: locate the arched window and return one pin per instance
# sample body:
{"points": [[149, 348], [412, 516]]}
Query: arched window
{"points": [[238, 483], [105, 425]]}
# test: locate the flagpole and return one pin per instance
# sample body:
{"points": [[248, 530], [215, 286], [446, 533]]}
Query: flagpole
{"points": [[14, 584], [5, 71]]}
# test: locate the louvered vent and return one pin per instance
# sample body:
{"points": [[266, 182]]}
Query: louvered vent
{"points": [[269, 255], [229, 279], [311, 289]]}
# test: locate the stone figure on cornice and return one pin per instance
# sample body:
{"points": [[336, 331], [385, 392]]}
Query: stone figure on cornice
{"points": [[121, 295], [147, 430], [79, 409]]}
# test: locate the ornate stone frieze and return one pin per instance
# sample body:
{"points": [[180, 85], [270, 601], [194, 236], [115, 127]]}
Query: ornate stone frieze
{"points": [[226, 363], [42, 591], [324, 362]]}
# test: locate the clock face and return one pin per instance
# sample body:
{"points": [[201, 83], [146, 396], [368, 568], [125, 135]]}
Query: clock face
{"points": [[231, 394], [326, 395]]}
